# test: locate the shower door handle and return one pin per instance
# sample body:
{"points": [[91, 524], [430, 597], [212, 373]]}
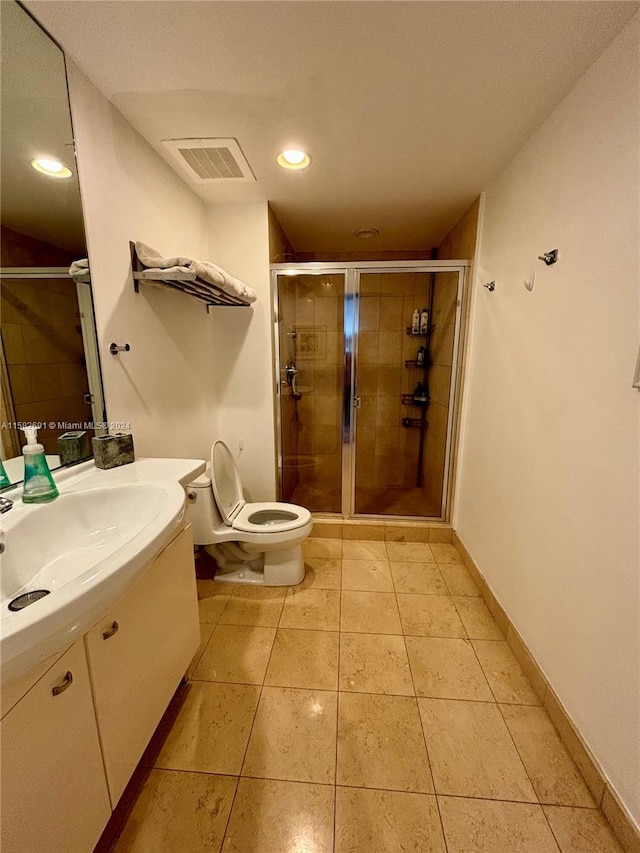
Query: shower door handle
{"points": [[357, 402]]}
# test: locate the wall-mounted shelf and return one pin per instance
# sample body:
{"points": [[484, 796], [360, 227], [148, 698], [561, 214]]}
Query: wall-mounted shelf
{"points": [[411, 362], [411, 423], [409, 400], [185, 282], [419, 334]]}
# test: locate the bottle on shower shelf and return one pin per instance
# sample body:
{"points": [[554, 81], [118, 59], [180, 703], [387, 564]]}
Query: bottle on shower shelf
{"points": [[420, 394], [415, 322], [424, 322], [420, 357]]}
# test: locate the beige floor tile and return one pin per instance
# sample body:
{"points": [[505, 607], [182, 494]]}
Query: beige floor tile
{"points": [[211, 731], [444, 553], [205, 635], [476, 618], [321, 573], [387, 822], [374, 663], [304, 659], [458, 579], [237, 654], [367, 575], [504, 674], [178, 811], [280, 817], [212, 599], [317, 609], [370, 613], [429, 616], [254, 606], [293, 736], [322, 548], [553, 774], [363, 550], [581, 830], [380, 743], [471, 751], [446, 669], [482, 826], [410, 552], [419, 578]]}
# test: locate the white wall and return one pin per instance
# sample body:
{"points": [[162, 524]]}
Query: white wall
{"points": [[239, 242], [164, 387], [548, 493]]}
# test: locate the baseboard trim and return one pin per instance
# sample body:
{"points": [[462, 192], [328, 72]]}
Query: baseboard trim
{"points": [[621, 822]]}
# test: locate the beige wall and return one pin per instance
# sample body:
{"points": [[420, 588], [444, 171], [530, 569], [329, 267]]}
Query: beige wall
{"points": [[165, 387], [550, 445]]}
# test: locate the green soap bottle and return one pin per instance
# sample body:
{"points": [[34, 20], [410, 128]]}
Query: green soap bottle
{"points": [[4, 480], [38, 487]]}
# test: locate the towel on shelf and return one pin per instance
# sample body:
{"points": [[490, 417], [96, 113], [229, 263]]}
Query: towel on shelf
{"points": [[79, 270], [204, 270]]}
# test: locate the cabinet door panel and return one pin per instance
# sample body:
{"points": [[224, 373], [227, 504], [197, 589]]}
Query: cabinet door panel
{"points": [[137, 655], [54, 794]]}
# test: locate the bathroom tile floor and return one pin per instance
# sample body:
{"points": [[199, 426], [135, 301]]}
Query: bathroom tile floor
{"points": [[375, 708]]}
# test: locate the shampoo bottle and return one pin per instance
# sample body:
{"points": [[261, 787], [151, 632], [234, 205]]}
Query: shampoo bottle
{"points": [[415, 322], [424, 322], [38, 486], [420, 357]]}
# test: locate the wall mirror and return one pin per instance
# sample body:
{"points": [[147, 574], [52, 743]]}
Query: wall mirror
{"points": [[49, 362]]}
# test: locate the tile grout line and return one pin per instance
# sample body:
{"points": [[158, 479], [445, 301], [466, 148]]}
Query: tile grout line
{"points": [[424, 737], [335, 773]]}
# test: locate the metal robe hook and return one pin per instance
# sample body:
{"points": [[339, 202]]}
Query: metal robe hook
{"points": [[114, 349], [549, 257], [490, 285]]}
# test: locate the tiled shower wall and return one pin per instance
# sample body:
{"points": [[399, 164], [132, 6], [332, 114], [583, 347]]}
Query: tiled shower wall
{"points": [[387, 452], [319, 313]]}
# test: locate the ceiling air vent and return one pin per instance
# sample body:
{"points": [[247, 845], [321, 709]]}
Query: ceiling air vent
{"points": [[211, 160]]}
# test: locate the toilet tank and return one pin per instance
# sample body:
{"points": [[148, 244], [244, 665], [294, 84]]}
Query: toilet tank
{"points": [[202, 512]]}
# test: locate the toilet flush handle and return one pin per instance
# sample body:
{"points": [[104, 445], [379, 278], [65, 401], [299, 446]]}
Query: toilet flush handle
{"points": [[192, 495]]}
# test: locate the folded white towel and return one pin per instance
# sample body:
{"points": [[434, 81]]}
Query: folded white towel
{"points": [[205, 271], [79, 270]]}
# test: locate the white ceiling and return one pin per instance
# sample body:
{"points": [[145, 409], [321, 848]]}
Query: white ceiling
{"points": [[409, 109]]}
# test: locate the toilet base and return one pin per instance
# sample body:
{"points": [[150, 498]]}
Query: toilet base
{"points": [[284, 567]]}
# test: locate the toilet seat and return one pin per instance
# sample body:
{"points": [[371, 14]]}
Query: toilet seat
{"points": [[267, 518], [273, 517]]}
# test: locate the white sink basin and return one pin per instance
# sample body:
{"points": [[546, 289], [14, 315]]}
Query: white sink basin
{"points": [[84, 549], [57, 543]]}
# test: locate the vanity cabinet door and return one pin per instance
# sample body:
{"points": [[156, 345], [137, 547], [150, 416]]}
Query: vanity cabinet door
{"points": [[138, 654], [54, 793]]}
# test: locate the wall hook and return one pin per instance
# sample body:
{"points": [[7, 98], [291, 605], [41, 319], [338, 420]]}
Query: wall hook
{"points": [[549, 257], [114, 349], [490, 285]]}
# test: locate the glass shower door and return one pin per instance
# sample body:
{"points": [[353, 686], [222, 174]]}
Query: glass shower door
{"points": [[402, 388], [310, 312]]}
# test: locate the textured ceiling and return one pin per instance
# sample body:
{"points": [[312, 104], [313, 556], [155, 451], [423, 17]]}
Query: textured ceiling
{"points": [[409, 109]]}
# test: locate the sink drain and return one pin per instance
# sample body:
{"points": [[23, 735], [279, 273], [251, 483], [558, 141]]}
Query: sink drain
{"points": [[28, 598]]}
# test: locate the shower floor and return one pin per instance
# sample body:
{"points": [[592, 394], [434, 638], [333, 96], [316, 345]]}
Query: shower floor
{"points": [[387, 500]]}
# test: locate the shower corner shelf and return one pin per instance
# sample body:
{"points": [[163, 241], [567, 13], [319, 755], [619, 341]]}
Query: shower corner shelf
{"points": [[184, 282], [409, 400], [412, 362], [410, 423]]}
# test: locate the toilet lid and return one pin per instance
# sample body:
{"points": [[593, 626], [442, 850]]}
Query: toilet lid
{"points": [[225, 482]]}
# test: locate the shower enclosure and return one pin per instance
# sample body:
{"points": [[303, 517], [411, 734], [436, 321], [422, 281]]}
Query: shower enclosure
{"points": [[366, 402]]}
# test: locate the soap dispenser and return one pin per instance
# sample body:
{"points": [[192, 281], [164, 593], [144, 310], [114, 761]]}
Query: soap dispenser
{"points": [[38, 485], [4, 480]]}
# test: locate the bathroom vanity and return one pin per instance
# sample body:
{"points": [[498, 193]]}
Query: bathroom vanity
{"points": [[75, 725]]}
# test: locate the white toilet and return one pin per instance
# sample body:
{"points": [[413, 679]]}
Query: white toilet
{"points": [[253, 543]]}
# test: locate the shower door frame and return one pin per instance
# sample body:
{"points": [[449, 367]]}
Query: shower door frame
{"points": [[352, 271]]}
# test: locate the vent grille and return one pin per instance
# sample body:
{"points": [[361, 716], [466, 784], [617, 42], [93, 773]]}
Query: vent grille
{"points": [[206, 160]]}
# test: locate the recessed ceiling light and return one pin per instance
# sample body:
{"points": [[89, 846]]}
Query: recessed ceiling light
{"points": [[366, 233], [293, 158], [50, 167]]}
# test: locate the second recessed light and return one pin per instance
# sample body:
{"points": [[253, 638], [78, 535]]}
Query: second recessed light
{"points": [[293, 158]]}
